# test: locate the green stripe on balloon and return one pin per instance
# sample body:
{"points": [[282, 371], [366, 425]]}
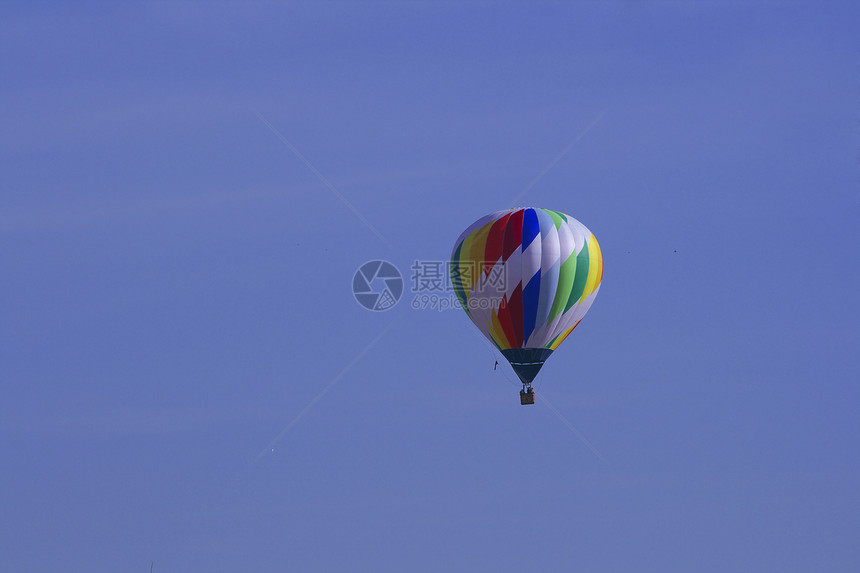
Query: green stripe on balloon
{"points": [[457, 281], [556, 218], [581, 277], [566, 276]]}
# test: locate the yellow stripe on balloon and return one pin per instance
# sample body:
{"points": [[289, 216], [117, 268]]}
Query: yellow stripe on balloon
{"points": [[594, 268], [466, 278], [561, 338], [498, 332], [479, 248], [600, 259]]}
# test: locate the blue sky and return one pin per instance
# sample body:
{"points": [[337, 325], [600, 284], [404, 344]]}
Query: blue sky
{"points": [[176, 286]]}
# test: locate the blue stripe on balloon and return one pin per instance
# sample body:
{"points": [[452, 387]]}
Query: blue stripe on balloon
{"points": [[545, 222], [531, 227], [550, 266], [531, 295]]}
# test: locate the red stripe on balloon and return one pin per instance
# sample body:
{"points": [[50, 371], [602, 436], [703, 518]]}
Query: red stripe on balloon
{"points": [[506, 322], [493, 250], [513, 234]]}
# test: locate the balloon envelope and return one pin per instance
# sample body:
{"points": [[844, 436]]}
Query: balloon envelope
{"points": [[526, 277]]}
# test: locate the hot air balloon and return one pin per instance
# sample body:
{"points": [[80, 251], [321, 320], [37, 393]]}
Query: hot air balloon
{"points": [[526, 277]]}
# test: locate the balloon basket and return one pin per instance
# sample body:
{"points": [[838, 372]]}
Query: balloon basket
{"points": [[527, 397]]}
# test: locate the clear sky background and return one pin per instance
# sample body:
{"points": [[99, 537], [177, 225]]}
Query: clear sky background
{"points": [[176, 287]]}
